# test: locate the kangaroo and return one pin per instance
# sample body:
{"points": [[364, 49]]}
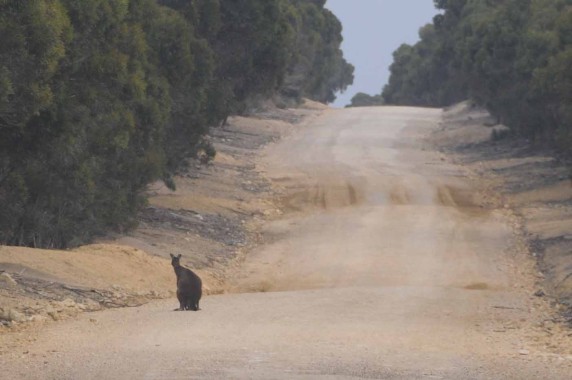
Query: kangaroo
{"points": [[189, 286]]}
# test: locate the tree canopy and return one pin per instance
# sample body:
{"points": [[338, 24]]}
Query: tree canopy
{"points": [[98, 98], [365, 100], [513, 57]]}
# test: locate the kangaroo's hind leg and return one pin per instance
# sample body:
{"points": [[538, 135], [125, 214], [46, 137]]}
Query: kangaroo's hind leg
{"points": [[195, 304], [181, 302], [191, 303]]}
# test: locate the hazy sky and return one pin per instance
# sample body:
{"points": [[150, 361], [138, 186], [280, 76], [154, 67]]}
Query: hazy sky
{"points": [[373, 29]]}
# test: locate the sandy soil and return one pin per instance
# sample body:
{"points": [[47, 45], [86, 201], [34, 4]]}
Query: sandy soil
{"points": [[377, 255]]}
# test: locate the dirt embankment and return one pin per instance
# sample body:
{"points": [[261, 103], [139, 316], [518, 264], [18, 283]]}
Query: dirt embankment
{"points": [[532, 183], [211, 220]]}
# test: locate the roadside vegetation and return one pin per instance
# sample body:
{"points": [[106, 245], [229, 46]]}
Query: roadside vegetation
{"points": [[365, 100], [513, 57], [99, 98]]}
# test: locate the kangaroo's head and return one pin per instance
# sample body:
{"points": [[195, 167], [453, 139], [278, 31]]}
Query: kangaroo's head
{"points": [[175, 260]]}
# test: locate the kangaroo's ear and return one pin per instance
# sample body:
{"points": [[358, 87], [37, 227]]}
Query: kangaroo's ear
{"points": [[172, 255], [179, 256]]}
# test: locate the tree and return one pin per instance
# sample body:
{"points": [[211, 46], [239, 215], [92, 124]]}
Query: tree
{"points": [[317, 69], [98, 98], [364, 100], [34, 34], [512, 57]]}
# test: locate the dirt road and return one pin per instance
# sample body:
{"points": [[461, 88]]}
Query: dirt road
{"points": [[383, 264]]}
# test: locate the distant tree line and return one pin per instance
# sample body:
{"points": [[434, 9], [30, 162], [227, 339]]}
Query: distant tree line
{"points": [[98, 98], [513, 57], [362, 99]]}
